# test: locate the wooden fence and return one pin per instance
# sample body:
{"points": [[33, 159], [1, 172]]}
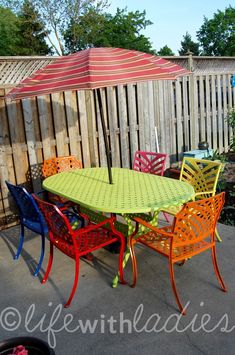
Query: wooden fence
{"points": [[186, 111]]}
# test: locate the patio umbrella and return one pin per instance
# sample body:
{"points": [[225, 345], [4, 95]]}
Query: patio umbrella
{"points": [[96, 68]]}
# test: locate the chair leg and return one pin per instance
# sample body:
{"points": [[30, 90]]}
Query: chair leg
{"points": [[217, 236], [19, 249], [41, 256], [166, 217], [134, 265], [216, 268], [49, 265], [172, 277], [75, 283]]}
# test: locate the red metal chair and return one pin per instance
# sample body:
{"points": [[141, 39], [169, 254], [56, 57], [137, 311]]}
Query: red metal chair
{"points": [[192, 232], [78, 242], [152, 163]]}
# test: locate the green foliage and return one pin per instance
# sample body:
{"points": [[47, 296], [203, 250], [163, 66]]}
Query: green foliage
{"points": [[9, 30], [32, 39], [217, 36], [165, 51], [104, 30], [188, 45]]}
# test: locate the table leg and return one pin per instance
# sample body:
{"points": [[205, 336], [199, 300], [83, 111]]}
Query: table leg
{"points": [[152, 219]]}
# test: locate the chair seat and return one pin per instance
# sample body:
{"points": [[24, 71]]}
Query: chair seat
{"points": [[179, 253], [88, 242]]}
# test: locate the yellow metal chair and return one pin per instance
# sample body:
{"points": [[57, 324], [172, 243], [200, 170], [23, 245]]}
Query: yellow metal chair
{"points": [[203, 175]]}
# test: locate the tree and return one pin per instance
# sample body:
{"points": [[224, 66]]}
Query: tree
{"points": [[165, 51], [217, 36], [104, 30], [9, 38], [187, 45], [57, 14], [32, 39]]}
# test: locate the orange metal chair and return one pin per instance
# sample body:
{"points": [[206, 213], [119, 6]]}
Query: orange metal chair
{"points": [[73, 242], [192, 232], [203, 175], [57, 165]]}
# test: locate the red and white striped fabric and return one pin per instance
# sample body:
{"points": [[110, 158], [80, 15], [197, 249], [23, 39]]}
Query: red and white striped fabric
{"points": [[96, 68]]}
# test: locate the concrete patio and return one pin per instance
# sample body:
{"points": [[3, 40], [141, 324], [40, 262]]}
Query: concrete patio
{"points": [[144, 320]]}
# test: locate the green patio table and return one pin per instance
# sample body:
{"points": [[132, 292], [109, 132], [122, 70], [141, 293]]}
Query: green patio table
{"points": [[132, 192]]}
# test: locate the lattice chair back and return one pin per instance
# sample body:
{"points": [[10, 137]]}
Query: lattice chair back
{"points": [[201, 174], [49, 168], [150, 162], [27, 207], [196, 221], [67, 163], [60, 231]]}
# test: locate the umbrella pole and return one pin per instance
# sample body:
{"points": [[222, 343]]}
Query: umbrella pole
{"points": [[108, 152]]}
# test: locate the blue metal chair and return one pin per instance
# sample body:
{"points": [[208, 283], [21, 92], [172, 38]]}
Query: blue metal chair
{"points": [[30, 217]]}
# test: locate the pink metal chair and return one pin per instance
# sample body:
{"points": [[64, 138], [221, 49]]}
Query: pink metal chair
{"points": [[151, 163], [74, 242]]}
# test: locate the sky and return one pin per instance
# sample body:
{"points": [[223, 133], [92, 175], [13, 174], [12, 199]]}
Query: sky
{"points": [[172, 19]]}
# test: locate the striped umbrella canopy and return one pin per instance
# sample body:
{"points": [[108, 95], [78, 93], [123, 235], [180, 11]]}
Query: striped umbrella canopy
{"points": [[95, 68]]}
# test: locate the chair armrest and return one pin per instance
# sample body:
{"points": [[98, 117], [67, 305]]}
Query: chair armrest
{"points": [[91, 227], [155, 229], [210, 192]]}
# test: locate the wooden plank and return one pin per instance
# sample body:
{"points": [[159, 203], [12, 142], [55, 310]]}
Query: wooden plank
{"points": [[230, 106], [141, 117], [162, 133], [92, 131], [179, 126], [225, 112], [29, 115], [208, 112], [113, 126], [59, 123], [202, 125], [46, 126], [193, 109], [167, 117], [185, 114], [132, 113], [17, 136], [151, 120], [102, 152], [122, 109], [172, 153], [144, 120], [72, 122], [84, 128], [220, 116], [214, 116]]}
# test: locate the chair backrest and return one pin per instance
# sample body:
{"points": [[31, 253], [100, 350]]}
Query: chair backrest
{"points": [[48, 168], [27, 207], [58, 225], [197, 220], [201, 174], [59, 164], [150, 162]]}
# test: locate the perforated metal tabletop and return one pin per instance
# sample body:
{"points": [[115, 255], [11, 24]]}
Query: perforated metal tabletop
{"points": [[131, 191]]}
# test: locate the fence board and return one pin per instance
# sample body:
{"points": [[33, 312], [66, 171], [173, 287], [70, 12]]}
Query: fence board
{"points": [[84, 129], [91, 125], [132, 113], [59, 123], [122, 109], [214, 116], [102, 152], [225, 112], [179, 126], [113, 126], [208, 112], [185, 114], [72, 122], [220, 116], [46, 126]]}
